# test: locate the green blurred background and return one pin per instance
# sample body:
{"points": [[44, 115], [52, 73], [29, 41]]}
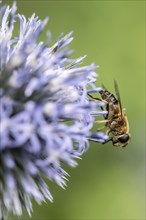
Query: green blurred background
{"points": [[109, 182]]}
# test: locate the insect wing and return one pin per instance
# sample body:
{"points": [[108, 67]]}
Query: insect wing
{"points": [[118, 95]]}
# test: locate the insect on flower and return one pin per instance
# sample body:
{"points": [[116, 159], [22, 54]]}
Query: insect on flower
{"points": [[115, 120], [45, 115]]}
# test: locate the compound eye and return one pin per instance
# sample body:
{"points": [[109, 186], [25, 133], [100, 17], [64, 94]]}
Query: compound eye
{"points": [[124, 138]]}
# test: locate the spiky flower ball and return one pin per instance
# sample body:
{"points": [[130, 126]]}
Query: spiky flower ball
{"points": [[45, 114]]}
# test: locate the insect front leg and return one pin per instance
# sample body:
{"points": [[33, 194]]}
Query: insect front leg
{"points": [[107, 140]]}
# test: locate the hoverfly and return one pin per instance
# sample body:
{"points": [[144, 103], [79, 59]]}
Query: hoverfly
{"points": [[115, 120]]}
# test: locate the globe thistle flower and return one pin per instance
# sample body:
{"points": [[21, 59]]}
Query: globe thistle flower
{"points": [[45, 113]]}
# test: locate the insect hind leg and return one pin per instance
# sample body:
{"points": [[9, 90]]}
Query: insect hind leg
{"points": [[95, 98], [101, 100]]}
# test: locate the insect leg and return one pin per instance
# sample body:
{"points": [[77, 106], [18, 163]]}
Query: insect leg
{"points": [[94, 97], [106, 141], [101, 121], [108, 131], [99, 129], [101, 100]]}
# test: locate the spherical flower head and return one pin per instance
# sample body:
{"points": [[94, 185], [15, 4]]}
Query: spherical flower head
{"points": [[45, 113]]}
